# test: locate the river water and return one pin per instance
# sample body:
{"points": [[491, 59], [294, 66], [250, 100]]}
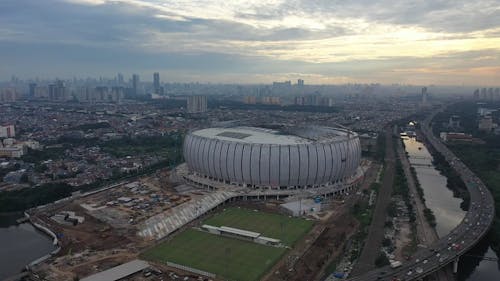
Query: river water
{"points": [[446, 208], [20, 245]]}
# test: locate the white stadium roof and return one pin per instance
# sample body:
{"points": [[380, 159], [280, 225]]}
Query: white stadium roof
{"points": [[251, 135], [118, 272], [238, 231]]}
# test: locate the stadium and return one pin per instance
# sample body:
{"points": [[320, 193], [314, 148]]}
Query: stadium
{"points": [[261, 162], [276, 157]]}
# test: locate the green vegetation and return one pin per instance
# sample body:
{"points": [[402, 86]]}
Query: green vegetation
{"points": [[429, 216], [386, 242], [357, 244], [212, 103], [168, 146], [375, 186], [453, 180], [5, 171], [18, 200], [401, 188], [420, 190], [380, 154], [482, 159], [392, 209], [38, 156], [228, 257], [285, 228], [363, 213], [92, 126], [381, 260]]}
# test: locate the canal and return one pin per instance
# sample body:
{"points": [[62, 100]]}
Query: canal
{"points": [[481, 262], [20, 245]]}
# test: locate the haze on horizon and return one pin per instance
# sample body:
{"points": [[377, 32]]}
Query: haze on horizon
{"points": [[448, 42]]}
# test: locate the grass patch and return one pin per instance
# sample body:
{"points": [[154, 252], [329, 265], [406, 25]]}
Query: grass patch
{"points": [[363, 213], [228, 257], [277, 226], [164, 146]]}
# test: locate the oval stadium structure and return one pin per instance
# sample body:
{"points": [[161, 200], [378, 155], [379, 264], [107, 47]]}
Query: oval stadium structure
{"points": [[282, 157]]}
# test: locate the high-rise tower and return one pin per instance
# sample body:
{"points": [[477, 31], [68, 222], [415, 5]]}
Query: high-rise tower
{"points": [[156, 82]]}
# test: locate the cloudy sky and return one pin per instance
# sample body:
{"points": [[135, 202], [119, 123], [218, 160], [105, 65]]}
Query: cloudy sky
{"points": [[251, 41]]}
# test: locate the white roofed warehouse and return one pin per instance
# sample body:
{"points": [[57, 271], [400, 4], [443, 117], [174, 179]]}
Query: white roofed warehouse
{"points": [[283, 157]]}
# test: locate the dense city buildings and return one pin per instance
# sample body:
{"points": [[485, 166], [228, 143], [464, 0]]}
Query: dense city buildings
{"points": [[162, 165], [135, 84], [7, 131], [487, 94], [154, 140], [156, 84], [58, 91], [196, 104], [425, 96], [8, 95]]}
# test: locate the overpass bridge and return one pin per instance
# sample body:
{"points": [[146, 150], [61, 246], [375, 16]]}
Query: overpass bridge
{"points": [[449, 248]]}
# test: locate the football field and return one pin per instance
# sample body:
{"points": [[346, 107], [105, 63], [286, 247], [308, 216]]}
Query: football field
{"points": [[287, 229], [231, 258]]}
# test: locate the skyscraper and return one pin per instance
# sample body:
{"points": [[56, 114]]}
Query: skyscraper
{"points": [[32, 90], [197, 104], [156, 82], [119, 79], [476, 94], [300, 83], [58, 91], [424, 96], [135, 83]]}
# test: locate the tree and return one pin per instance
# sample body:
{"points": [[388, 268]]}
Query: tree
{"points": [[381, 260], [386, 242]]}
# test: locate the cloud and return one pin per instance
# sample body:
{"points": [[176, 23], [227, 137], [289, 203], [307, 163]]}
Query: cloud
{"points": [[323, 37]]}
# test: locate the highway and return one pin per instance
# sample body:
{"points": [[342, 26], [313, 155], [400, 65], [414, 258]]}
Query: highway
{"points": [[449, 248]]}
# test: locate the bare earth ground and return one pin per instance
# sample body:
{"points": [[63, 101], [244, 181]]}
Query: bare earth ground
{"points": [[96, 246]]}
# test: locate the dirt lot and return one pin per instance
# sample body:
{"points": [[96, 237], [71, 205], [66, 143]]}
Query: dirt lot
{"points": [[84, 245], [97, 244], [324, 243], [129, 204]]}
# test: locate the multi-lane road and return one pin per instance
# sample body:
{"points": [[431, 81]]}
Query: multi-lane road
{"points": [[449, 248]]}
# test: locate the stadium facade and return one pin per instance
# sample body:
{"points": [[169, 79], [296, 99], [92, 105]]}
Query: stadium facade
{"points": [[284, 157]]}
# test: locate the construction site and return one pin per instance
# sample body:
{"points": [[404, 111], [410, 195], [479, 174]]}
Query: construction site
{"points": [[99, 231]]}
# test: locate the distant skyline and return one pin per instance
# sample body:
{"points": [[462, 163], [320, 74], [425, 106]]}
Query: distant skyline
{"points": [[448, 42]]}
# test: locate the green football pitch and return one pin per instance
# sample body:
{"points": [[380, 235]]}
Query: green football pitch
{"points": [[231, 258], [287, 229]]}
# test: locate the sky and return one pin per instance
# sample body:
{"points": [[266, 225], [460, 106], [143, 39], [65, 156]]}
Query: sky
{"points": [[439, 42]]}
